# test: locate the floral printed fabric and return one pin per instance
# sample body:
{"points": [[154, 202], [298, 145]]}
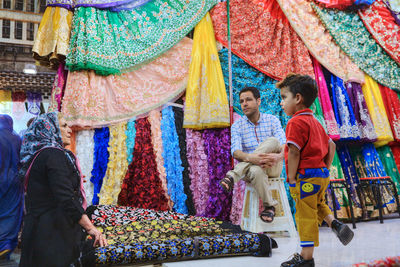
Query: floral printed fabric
{"points": [[350, 33], [91, 100], [318, 40], [52, 38], [58, 88], [385, 154], [383, 27], [339, 4], [114, 42], [263, 37], [394, 7]]}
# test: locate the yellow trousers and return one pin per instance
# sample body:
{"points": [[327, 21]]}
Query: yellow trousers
{"points": [[311, 208]]}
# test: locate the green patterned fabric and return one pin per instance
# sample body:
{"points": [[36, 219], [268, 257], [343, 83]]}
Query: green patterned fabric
{"points": [[114, 42], [319, 115], [389, 164], [352, 36]]}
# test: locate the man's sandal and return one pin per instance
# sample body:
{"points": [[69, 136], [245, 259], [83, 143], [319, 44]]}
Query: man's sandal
{"points": [[268, 212], [227, 184]]}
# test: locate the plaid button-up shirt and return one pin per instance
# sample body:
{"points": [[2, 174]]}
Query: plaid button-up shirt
{"points": [[246, 136]]}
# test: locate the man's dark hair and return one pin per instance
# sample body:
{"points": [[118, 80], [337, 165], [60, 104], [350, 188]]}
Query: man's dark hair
{"points": [[300, 84], [254, 90]]}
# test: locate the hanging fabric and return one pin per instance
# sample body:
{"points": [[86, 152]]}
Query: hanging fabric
{"points": [[127, 5], [5, 102], [377, 110], [57, 92], [394, 7], [68, 4], [34, 102], [130, 140], [114, 42], [217, 148], [318, 41], [351, 35], [206, 104], [361, 112], [91, 100], [392, 106], [142, 186], [52, 39], [116, 167], [85, 156], [262, 36], [318, 114], [386, 155], [339, 4]]}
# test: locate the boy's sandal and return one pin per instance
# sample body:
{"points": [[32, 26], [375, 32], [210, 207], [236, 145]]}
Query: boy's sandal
{"points": [[268, 212], [227, 184]]}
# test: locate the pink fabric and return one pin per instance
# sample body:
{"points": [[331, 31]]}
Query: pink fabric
{"points": [[91, 100], [323, 94]]}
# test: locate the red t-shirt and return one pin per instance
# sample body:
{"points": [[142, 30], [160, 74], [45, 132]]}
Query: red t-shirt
{"points": [[307, 134]]}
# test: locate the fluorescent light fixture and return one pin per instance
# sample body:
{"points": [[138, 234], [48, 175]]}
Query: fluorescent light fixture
{"points": [[30, 69]]}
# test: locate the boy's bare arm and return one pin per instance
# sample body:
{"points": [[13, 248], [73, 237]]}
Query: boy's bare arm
{"points": [[293, 162], [331, 154]]}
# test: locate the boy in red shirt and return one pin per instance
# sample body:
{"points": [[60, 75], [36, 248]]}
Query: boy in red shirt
{"points": [[309, 153]]}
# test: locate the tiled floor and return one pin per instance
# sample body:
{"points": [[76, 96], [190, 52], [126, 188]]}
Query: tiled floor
{"points": [[372, 241]]}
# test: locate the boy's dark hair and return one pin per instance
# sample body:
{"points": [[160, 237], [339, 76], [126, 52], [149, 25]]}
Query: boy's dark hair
{"points": [[253, 90], [301, 84]]}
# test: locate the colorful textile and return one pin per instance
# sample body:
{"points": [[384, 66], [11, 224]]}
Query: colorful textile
{"points": [[325, 101], [385, 262], [11, 189], [374, 164], [57, 92], [396, 154], [376, 108], [34, 102], [103, 3], [206, 104], [91, 100], [172, 160], [130, 140], [339, 4], [243, 76], [129, 5], [361, 112], [101, 155], [116, 167], [85, 155], [318, 41], [217, 147], [263, 37], [142, 186], [348, 126], [198, 170], [114, 42], [319, 115], [383, 28], [69, 4], [392, 105], [387, 158], [5, 102], [52, 38], [394, 7], [350, 33]]}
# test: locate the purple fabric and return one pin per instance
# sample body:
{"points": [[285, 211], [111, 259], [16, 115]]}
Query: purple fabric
{"points": [[102, 3], [395, 14], [34, 100], [217, 149], [68, 4], [132, 4]]}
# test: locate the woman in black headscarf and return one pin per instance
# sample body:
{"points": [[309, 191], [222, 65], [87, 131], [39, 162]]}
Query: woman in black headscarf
{"points": [[52, 233]]}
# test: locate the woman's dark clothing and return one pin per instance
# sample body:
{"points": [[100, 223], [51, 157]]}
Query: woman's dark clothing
{"points": [[51, 234]]}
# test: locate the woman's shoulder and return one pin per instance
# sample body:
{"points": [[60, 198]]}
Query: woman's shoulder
{"points": [[52, 153]]}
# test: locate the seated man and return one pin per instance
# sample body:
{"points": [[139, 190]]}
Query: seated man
{"points": [[257, 142]]}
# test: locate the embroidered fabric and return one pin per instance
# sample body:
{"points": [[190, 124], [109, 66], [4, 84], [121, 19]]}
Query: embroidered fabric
{"points": [[198, 170], [68, 4], [392, 106], [91, 100], [394, 7], [263, 37], [374, 164], [387, 158], [129, 5], [376, 109], [18, 106], [34, 101], [156, 139], [58, 88], [339, 4], [5, 102], [318, 114], [318, 40], [361, 112], [172, 160], [101, 142], [243, 76], [217, 148], [116, 167], [114, 42], [85, 155], [130, 140], [351, 35], [206, 104], [383, 28]]}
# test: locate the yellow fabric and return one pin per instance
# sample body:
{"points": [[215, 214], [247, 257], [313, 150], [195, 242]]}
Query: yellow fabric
{"points": [[376, 109], [310, 209], [5, 102], [206, 100], [116, 167], [52, 38]]}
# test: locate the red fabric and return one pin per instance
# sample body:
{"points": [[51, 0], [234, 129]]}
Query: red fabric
{"points": [[383, 27], [392, 106], [307, 133], [339, 4], [396, 154], [262, 36], [142, 186]]}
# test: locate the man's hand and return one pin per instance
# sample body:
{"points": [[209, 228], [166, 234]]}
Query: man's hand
{"points": [[265, 160]]}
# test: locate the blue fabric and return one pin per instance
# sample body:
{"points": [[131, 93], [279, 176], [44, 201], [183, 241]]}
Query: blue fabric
{"points": [[130, 5], [313, 173], [101, 139], [11, 190], [373, 163], [172, 160], [364, 2], [130, 140], [245, 75]]}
